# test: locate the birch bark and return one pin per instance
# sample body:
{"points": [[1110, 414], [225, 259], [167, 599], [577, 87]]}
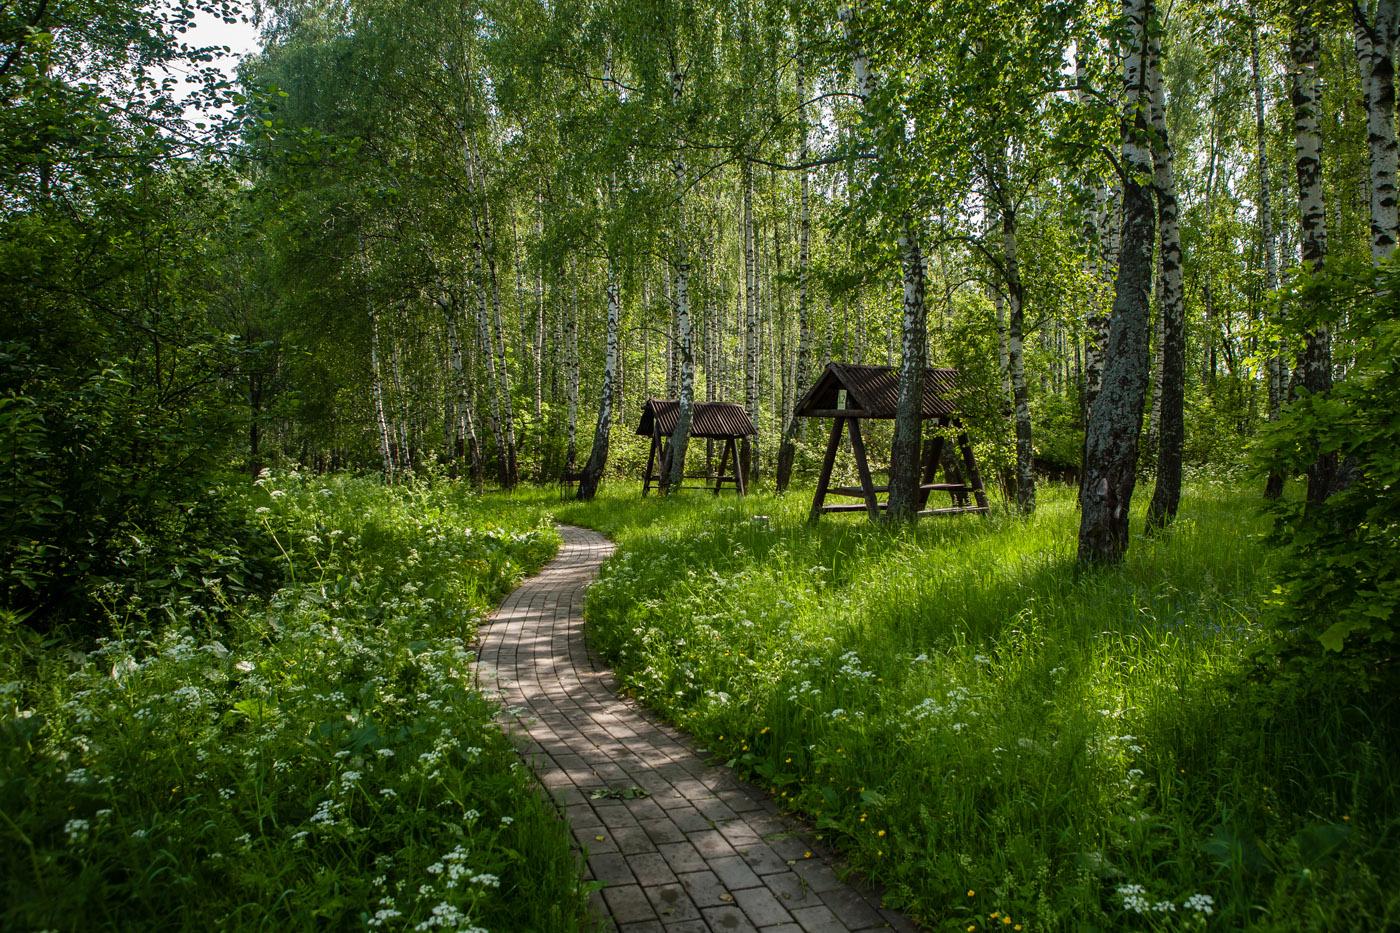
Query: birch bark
{"points": [[787, 453], [598, 456], [1169, 400], [1111, 436], [1316, 363], [685, 359], [1374, 27]]}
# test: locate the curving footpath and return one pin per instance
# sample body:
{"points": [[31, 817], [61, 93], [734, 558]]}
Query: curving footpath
{"points": [[677, 844]]}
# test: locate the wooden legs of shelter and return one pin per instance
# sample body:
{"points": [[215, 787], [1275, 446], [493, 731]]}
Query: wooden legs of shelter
{"points": [[960, 480], [729, 471]]}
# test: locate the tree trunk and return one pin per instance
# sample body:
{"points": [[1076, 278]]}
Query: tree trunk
{"points": [[464, 442], [682, 353], [511, 474], [908, 418], [1016, 364], [751, 388], [488, 354], [787, 453], [1375, 52], [1273, 486], [571, 364], [1316, 364], [598, 457], [381, 417], [1171, 388], [1115, 419]]}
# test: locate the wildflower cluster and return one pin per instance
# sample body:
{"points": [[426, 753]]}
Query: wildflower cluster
{"points": [[331, 730]]}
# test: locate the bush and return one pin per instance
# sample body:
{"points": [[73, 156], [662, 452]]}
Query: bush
{"points": [[1341, 580], [327, 763], [112, 503]]}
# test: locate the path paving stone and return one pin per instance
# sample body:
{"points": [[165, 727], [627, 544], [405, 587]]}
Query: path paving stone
{"points": [[685, 846]]}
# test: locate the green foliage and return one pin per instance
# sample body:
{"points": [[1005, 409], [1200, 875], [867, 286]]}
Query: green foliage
{"points": [[109, 510], [990, 734], [325, 763], [1340, 582]]}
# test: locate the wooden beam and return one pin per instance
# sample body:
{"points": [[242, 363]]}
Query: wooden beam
{"points": [[824, 480], [974, 477], [651, 462], [835, 413], [863, 467]]}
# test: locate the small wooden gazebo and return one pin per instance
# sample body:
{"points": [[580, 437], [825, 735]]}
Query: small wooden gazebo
{"points": [[850, 394], [711, 421]]}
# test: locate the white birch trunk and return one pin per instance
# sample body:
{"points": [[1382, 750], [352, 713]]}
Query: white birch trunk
{"points": [[1374, 28], [682, 351], [1316, 364], [598, 456], [751, 374], [381, 419]]}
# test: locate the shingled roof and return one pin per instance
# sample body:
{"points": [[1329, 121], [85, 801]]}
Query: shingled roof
{"points": [[717, 420], [874, 391]]}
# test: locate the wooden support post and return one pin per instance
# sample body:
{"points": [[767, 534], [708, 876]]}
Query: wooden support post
{"points": [[651, 462], [974, 478], [723, 462], [863, 468], [741, 482], [933, 455], [824, 480]]}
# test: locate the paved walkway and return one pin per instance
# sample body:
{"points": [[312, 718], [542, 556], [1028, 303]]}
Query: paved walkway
{"points": [[678, 844]]}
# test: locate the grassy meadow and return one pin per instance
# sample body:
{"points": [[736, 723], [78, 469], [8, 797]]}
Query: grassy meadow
{"points": [[319, 759], [1003, 741]]}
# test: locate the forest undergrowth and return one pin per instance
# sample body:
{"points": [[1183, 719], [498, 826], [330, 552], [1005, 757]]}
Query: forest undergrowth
{"points": [[1005, 741], [319, 759]]}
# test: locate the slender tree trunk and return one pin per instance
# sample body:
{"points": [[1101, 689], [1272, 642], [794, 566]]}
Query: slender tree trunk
{"points": [[598, 457], [488, 354], [905, 458], [512, 469], [1111, 437], [788, 451], [464, 442], [751, 375], [683, 352], [572, 366], [1375, 36], [1171, 387], [1016, 363], [381, 417], [908, 419], [1273, 487], [1316, 364]]}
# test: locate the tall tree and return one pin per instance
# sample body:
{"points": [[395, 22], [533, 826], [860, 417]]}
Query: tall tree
{"points": [[1115, 419], [1171, 388]]}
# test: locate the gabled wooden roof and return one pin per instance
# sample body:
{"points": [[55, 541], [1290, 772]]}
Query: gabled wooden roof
{"points": [[718, 420], [873, 391]]}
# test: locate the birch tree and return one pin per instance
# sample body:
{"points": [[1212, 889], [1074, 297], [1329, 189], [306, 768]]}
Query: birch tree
{"points": [[1115, 418], [1375, 25], [1170, 396]]}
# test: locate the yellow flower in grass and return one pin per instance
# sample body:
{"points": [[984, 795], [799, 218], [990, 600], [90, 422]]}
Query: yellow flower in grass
{"points": [[971, 893], [880, 833]]}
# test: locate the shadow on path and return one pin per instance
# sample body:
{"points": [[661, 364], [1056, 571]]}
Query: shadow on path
{"points": [[677, 844]]}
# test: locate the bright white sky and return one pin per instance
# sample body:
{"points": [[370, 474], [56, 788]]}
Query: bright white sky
{"points": [[240, 37]]}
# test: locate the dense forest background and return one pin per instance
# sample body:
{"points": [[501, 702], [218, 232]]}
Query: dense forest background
{"points": [[292, 357], [471, 240]]}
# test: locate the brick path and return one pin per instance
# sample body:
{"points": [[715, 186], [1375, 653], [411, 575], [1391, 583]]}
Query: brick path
{"points": [[680, 845]]}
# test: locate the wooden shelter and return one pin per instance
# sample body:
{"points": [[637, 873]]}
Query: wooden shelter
{"points": [[712, 421], [850, 394]]}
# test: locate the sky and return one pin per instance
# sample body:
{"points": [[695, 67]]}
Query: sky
{"points": [[241, 39]]}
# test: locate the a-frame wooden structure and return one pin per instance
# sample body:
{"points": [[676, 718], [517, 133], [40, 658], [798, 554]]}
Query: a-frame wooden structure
{"points": [[850, 394], [712, 421]]}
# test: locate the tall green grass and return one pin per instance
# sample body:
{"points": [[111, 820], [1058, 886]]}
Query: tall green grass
{"points": [[992, 732], [318, 760]]}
